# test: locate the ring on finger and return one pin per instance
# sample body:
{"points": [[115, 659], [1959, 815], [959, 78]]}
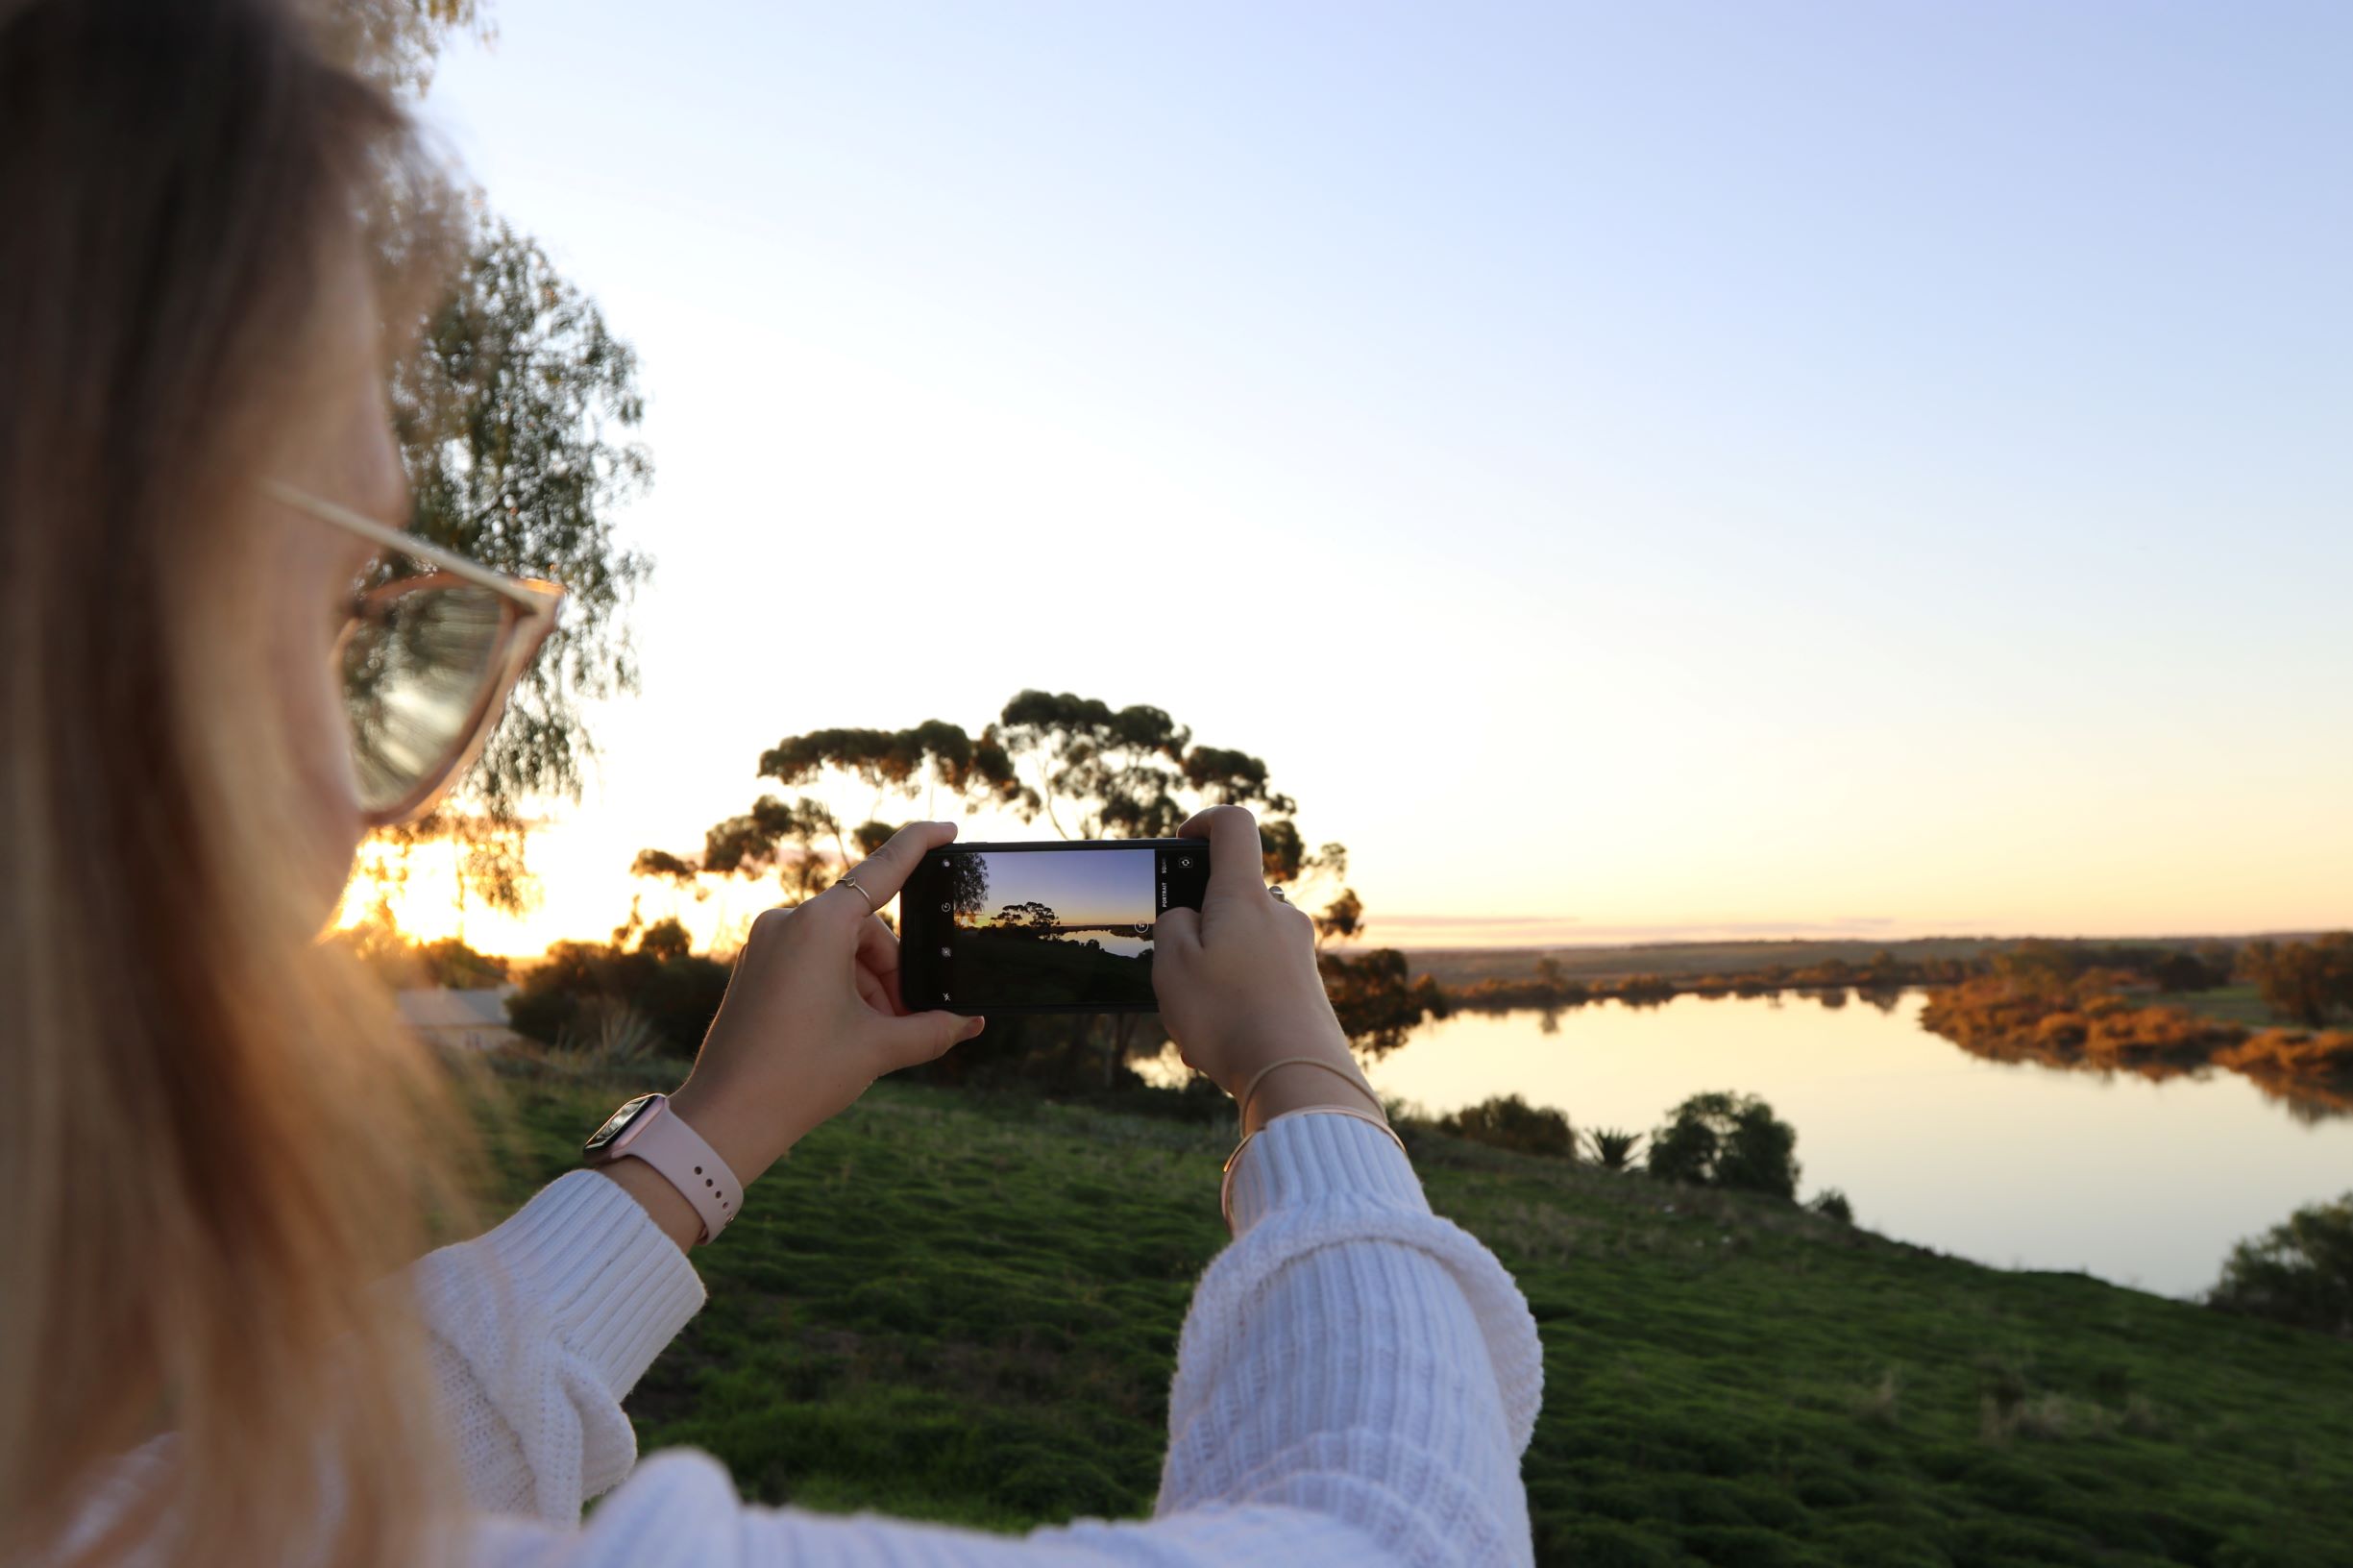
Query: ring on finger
{"points": [[1280, 896], [851, 883]]}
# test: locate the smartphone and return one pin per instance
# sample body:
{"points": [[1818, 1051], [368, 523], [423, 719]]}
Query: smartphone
{"points": [[1050, 927]]}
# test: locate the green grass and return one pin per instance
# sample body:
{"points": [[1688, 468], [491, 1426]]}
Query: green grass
{"points": [[968, 1310], [2230, 1004]]}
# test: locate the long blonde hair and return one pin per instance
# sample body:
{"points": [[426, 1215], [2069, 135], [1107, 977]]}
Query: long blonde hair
{"points": [[215, 1138]]}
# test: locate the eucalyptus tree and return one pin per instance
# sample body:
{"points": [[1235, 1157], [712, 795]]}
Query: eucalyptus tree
{"points": [[1088, 770], [516, 408], [1085, 768]]}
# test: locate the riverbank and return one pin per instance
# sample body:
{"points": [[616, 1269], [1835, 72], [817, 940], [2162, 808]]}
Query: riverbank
{"points": [[966, 1310], [1459, 968], [2056, 1003], [2096, 1023]]}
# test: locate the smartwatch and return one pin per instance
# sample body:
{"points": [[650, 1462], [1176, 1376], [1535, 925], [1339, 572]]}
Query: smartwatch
{"points": [[647, 1129]]}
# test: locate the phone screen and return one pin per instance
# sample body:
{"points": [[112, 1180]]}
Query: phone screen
{"points": [[1043, 927]]}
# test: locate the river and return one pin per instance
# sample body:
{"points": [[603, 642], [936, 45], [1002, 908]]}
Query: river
{"points": [[2145, 1183]]}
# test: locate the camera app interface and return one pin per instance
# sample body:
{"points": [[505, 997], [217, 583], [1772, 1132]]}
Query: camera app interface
{"points": [[1042, 926]]}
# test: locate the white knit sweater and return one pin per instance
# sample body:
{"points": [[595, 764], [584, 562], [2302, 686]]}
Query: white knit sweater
{"points": [[1355, 1383]]}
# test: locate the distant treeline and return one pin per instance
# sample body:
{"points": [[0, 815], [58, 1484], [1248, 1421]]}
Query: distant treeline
{"points": [[2090, 1004], [2076, 1004], [2306, 982], [2094, 1022], [1550, 987]]}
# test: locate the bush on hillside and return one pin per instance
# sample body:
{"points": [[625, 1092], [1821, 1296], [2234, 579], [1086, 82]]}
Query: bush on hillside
{"points": [[1612, 1148], [1727, 1140], [575, 991], [1831, 1204], [403, 965], [2309, 982], [1509, 1123], [451, 963], [1377, 999], [2301, 1272], [606, 1035]]}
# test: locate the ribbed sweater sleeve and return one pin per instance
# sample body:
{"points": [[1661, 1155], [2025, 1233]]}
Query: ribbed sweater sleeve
{"points": [[1356, 1354], [539, 1329], [1355, 1380]]}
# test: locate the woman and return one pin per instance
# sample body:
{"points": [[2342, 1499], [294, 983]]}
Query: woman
{"points": [[219, 1146]]}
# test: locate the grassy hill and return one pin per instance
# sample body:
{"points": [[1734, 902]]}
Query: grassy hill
{"points": [[968, 1310]]}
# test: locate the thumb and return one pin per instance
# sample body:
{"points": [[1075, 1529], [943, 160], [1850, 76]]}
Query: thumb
{"points": [[1176, 930], [926, 1037]]}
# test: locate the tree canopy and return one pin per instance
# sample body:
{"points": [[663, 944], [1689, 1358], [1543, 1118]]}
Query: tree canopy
{"points": [[514, 407], [1729, 1141], [2299, 1271], [395, 44], [514, 415], [1089, 770], [2307, 981]]}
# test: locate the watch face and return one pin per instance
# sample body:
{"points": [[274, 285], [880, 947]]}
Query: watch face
{"points": [[618, 1123]]}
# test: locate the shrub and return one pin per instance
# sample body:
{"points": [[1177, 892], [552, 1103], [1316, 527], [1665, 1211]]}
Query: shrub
{"points": [[2314, 1070], [2307, 981], [2301, 1272], [1726, 1141], [2179, 971], [1831, 1204], [403, 965], [607, 1033], [1509, 1123], [1644, 991], [1612, 1148], [1376, 1000], [563, 999]]}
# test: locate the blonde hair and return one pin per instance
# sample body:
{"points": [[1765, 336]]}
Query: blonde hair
{"points": [[215, 1146]]}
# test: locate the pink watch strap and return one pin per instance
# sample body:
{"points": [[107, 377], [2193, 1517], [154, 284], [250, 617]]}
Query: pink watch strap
{"points": [[661, 1137]]}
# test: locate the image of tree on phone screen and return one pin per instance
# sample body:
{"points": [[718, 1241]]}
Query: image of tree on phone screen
{"points": [[1053, 927]]}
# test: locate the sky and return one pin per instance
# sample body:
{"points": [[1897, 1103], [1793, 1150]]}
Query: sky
{"points": [[1633, 471], [1099, 888]]}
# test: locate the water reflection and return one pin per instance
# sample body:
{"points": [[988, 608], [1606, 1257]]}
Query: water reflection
{"points": [[2141, 1179]]}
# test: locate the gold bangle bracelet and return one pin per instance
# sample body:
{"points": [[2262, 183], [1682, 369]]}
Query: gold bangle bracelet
{"points": [[1225, 1185], [1259, 1077]]}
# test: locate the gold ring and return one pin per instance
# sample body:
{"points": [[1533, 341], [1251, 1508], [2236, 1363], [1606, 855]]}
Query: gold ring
{"points": [[852, 882], [1281, 897]]}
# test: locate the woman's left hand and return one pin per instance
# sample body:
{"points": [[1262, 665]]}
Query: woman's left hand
{"points": [[812, 1016]]}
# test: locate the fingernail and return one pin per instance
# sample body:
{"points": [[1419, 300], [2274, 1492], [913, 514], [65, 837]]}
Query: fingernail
{"points": [[973, 1028]]}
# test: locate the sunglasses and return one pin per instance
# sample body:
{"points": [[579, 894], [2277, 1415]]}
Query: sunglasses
{"points": [[427, 662]]}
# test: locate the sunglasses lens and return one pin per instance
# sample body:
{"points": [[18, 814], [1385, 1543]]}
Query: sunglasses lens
{"points": [[418, 668]]}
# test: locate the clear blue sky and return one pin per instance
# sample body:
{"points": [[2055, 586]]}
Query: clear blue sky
{"points": [[1628, 466]]}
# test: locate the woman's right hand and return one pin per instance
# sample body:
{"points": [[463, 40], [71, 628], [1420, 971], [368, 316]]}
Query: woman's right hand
{"points": [[1238, 982], [812, 1016]]}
